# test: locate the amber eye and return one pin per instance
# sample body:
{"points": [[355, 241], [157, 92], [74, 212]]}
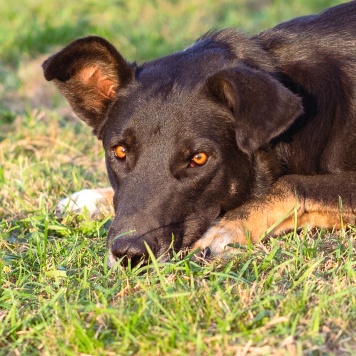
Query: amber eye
{"points": [[199, 159], [120, 151]]}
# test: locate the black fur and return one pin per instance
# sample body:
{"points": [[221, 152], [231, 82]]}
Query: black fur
{"points": [[280, 103]]}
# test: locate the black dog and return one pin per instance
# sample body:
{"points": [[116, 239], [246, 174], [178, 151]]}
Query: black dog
{"points": [[230, 135]]}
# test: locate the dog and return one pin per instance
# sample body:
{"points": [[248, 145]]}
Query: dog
{"points": [[227, 141]]}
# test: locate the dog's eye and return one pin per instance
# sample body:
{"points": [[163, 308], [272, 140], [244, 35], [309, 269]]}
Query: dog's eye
{"points": [[198, 159], [120, 152]]}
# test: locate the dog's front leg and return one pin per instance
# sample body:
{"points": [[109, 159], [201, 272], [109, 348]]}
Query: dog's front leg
{"points": [[324, 201]]}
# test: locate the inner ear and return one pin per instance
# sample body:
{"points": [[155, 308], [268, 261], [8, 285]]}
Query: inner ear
{"points": [[95, 78], [223, 90], [263, 107], [89, 72]]}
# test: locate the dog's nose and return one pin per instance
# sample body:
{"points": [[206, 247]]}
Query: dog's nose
{"points": [[131, 250]]}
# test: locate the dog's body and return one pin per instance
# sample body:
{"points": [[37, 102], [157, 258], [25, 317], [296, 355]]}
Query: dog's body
{"points": [[231, 135]]}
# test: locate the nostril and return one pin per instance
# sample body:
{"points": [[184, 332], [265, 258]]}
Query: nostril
{"points": [[131, 251], [128, 258], [132, 261]]}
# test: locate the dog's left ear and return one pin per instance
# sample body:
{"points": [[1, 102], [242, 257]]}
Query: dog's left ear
{"points": [[263, 108], [89, 72]]}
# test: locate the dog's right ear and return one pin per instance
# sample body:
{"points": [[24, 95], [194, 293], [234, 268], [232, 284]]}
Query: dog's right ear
{"points": [[89, 72], [262, 106]]}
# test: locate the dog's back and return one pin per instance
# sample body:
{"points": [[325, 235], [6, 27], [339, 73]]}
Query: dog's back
{"points": [[316, 58]]}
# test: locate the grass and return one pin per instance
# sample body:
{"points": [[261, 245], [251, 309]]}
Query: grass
{"points": [[288, 296]]}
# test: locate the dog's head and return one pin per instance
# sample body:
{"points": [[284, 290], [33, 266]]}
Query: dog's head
{"points": [[179, 132]]}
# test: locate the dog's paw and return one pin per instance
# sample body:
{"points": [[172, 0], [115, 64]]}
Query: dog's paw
{"points": [[91, 200], [222, 233]]}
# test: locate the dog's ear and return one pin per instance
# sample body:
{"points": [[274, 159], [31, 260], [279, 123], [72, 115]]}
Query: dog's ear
{"points": [[89, 72], [263, 108]]}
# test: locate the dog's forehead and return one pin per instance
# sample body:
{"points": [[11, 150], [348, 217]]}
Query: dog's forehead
{"points": [[168, 115], [169, 93], [166, 111]]}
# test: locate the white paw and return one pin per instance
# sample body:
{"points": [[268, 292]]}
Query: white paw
{"points": [[217, 240], [90, 199], [222, 233]]}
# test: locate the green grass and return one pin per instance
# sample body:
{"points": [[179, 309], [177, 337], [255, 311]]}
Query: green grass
{"points": [[286, 296]]}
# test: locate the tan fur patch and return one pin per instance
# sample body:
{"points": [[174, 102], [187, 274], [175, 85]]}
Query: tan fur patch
{"points": [[275, 214]]}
